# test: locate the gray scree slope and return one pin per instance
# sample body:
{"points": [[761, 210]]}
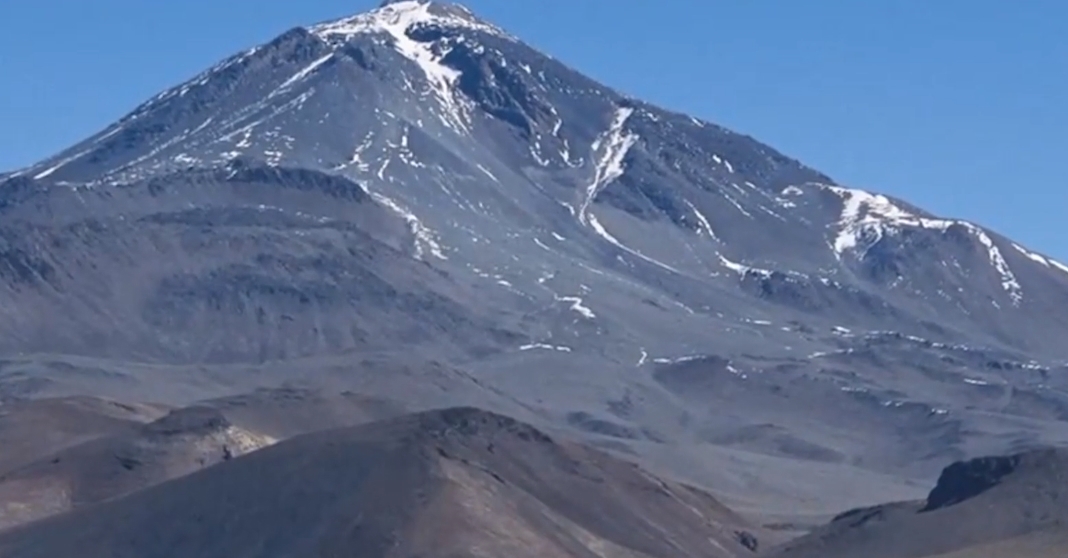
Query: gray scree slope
{"points": [[417, 184]]}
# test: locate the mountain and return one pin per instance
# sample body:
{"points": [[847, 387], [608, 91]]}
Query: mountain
{"points": [[177, 444], [1012, 503], [415, 186], [33, 429], [455, 482], [63, 454]]}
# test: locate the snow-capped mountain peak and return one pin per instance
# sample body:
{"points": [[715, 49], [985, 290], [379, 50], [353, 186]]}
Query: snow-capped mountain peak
{"points": [[396, 17], [524, 184], [412, 185]]}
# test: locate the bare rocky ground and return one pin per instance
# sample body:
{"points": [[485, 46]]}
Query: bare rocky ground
{"points": [[1052, 544], [997, 506], [456, 482], [32, 429], [107, 457], [994, 506]]}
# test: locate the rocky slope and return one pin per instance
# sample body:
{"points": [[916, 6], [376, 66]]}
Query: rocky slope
{"points": [[183, 441], [457, 482], [1015, 501]]}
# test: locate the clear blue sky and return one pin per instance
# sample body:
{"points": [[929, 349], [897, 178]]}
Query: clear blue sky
{"points": [[959, 106]]}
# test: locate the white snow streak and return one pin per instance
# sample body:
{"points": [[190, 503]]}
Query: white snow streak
{"points": [[600, 230], [1059, 265], [577, 306], [737, 206], [616, 144], [705, 227], [678, 360], [397, 19], [487, 172], [1008, 279], [613, 145], [48, 172], [742, 269], [423, 235], [307, 71], [1047, 262], [545, 346]]}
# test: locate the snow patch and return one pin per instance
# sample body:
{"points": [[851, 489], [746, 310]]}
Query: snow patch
{"points": [[487, 172], [577, 306], [62, 163], [412, 11], [866, 218], [738, 206], [396, 19], [423, 235], [603, 233], [545, 346], [616, 143], [742, 269], [677, 360], [1031, 255], [1047, 262], [1008, 279], [705, 227], [303, 73], [824, 354]]}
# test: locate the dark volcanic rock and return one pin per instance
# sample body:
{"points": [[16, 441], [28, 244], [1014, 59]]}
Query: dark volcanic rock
{"points": [[963, 480]]}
